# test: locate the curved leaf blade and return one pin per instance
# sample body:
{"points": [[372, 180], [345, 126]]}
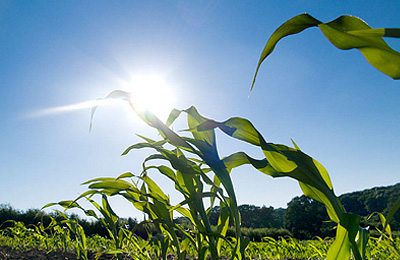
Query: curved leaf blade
{"points": [[294, 25], [375, 49], [346, 32]]}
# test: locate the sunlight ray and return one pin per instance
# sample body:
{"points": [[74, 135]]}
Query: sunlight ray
{"points": [[70, 108]]}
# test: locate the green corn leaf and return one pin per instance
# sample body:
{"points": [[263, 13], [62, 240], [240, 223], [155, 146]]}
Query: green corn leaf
{"points": [[236, 127], [280, 157], [98, 179], [165, 131], [329, 201], [294, 25], [109, 211], [110, 218], [115, 251], [346, 32], [137, 146], [341, 248], [223, 223], [125, 175], [206, 179], [185, 212], [49, 205], [241, 158], [281, 161], [195, 119], [161, 210], [243, 245], [91, 213], [69, 204], [180, 182], [374, 49], [362, 241], [154, 189], [380, 32], [386, 226], [131, 196], [152, 142], [186, 201], [344, 243], [154, 157], [114, 185], [169, 173], [391, 213], [175, 113], [165, 170], [88, 193]]}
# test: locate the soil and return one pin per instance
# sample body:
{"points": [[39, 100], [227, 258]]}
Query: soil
{"points": [[7, 253]]}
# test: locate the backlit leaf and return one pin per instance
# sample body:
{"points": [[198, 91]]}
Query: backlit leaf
{"points": [[374, 49], [392, 211], [292, 26], [115, 184], [346, 32]]}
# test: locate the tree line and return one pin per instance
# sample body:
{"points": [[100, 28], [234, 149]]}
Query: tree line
{"points": [[304, 218]]}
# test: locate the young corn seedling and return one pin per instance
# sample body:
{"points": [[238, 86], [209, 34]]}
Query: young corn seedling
{"points": [[189, 177], [149, 200], [386, 237], [152, 200], [109, 220]]}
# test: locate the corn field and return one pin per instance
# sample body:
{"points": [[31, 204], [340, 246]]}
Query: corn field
{"points": [[190, 160], [59, 238]]}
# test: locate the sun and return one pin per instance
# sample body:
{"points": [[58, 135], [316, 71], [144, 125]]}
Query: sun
{"points": [[150, 92]]}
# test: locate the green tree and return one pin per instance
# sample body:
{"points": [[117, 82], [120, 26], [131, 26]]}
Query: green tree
{"points": [[305, 217]]}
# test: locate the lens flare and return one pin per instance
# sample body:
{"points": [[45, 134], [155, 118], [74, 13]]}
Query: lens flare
{"points": [[70, 108], [150, 92]]}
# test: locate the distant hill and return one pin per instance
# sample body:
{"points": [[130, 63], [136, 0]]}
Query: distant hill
{"points": [[378, 199], [306, 218]]}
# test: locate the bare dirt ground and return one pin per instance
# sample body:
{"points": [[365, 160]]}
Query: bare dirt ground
{"points": [[7, 253]]}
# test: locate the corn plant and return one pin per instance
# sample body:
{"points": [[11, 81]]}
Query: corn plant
{"points": [[386, 237], [109, 221], [152, 202], [279, 161], [189, 177], [54, 236], [190, 161], [190, 180], [345, 32], [136, 247], [124, 241], [20, 237], [80, 238]]}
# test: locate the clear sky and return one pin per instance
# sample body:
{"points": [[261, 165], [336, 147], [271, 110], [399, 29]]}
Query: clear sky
{"points": [[54, 54]]}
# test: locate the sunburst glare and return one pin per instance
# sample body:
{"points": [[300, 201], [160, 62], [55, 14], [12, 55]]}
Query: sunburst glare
{"points": [[69, 108], [150, 92]]}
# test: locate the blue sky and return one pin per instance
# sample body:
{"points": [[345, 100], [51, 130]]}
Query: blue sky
{"points": [[336, 106]]}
